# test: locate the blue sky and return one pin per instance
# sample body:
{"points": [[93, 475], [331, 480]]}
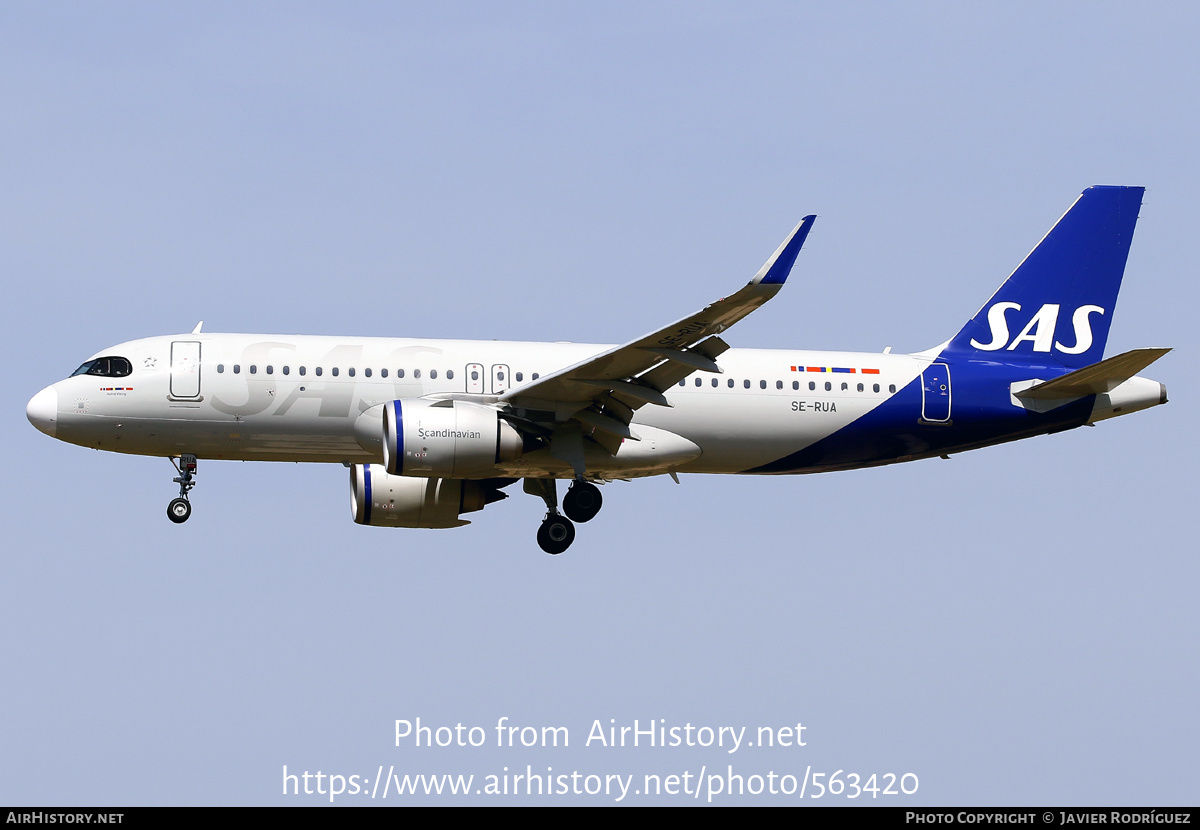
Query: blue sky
{"points": [[1014, 626]]}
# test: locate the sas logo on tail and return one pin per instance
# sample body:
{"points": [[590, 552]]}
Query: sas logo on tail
{"points": [[1040, 329]]}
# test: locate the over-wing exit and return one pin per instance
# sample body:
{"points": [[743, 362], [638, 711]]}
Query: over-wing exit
{"points": [[435, 429]]}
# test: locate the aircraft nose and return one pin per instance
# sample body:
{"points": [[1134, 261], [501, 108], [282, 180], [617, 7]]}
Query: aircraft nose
{"points": [[42, 410]]}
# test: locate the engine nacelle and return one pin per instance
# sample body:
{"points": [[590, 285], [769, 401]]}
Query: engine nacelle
{"points": [[383, 500], [446, 439]]}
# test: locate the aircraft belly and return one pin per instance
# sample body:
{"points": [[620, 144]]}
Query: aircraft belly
{"points": [[255, 439], [658, 451]]}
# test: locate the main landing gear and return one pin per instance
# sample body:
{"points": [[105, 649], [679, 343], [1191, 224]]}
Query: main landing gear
{"points": [[581, 504], [583, 501], [555, 534], [180, 509]]}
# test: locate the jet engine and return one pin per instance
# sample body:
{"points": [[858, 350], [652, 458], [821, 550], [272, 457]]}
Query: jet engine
{"points": [[446, 439], [384, 500]]}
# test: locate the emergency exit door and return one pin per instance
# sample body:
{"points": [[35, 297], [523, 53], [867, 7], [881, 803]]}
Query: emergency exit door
{"points": [[500, 379]]}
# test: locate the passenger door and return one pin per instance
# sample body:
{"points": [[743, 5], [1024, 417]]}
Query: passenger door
{"points": [[935, 393], [185, 369]]}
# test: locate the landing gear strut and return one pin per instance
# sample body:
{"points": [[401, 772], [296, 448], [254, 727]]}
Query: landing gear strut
{"points": [[180, 509]]}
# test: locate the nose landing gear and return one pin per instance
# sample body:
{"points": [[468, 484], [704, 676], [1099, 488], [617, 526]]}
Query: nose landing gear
{"points": [[180, 508]]}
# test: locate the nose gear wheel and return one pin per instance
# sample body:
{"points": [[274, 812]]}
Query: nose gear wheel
{"points": [[180, 509]]}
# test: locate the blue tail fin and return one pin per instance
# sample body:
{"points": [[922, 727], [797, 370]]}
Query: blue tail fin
{"points": [[1059, 302]]}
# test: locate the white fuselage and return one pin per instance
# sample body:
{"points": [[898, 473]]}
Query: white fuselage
{"points": [[298, 398]]}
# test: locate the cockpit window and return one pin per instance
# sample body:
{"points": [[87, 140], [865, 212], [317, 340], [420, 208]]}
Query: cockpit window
{"points": [[106, 367]]}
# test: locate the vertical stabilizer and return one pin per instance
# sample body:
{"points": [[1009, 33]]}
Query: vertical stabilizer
{"points": [[1059, 302]]}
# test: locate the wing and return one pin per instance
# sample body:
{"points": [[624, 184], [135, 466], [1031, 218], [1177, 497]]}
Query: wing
{"points": [[602, 392]]}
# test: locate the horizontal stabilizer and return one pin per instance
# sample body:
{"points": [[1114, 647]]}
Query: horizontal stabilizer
{"points": [[1095, 379]]}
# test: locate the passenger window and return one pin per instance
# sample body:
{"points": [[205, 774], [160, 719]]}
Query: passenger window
{"points": [[253, 369], [698, 381], [449, 374], [270, 370], [399, 373], [350, 371], [746, 384], [683, 382], [416, 373], [715, 382], [891, 387], [383, 373], [875, 387], [367, 372], [778, 384], [319, 371], [334, 371], [220, 368], [762, 384], [828, 386], [433, 375], [535, 375], [860, 387], [845, 387], [237, 368], [287, 370], [731, 383], [812, 386], [301, 370], [795, 385], [520, 376]]}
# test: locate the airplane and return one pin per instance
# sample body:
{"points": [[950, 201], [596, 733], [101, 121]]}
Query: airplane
{"points": [[432, 430]]}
